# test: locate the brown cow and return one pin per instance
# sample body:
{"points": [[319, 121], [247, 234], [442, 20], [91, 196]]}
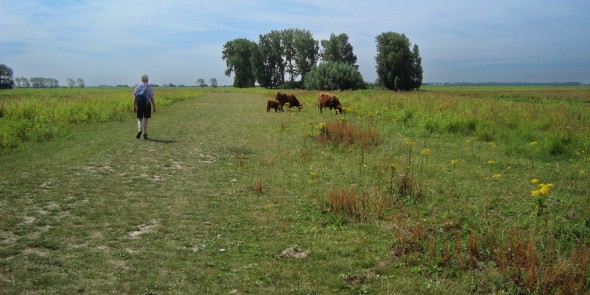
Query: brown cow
{"points": [[271, 104], [289, 98], [330, 101]]}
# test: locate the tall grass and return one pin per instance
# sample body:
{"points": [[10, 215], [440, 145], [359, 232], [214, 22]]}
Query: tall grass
{"points": [[39, 115], [557, 120], [543, 128]]}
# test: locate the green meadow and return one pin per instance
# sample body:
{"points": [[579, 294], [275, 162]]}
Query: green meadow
{"points": [[447, 190]]}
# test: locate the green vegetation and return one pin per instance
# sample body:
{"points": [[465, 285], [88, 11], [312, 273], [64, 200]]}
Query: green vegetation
{"points": [[441, 191], [6, 79], [40, 114], [398, 66], [334, 76], [295, 53]]}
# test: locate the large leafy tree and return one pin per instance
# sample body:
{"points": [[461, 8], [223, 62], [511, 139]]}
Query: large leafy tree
{"points": [[306, 52], [398, 66], [338, 49], [289, 52], [268, 62], [238, 55], [6, 79]]}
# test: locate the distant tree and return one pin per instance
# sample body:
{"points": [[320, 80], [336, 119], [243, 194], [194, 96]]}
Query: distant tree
{"points": [[299, 51], [80, 83], [6, 79], [416, 68], [21, 82], [268, 63], [213, 82], [338, 49], [306, 52], [201, 82], [52, 83], [171, 85], [71, 83], [289, 52], [333, 76], [398, 67], [239, 55], [37, 82], [41, 82]]}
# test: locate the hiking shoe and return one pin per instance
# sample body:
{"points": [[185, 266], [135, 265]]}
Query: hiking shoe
{"points": [[138, 134], [145, 137]]}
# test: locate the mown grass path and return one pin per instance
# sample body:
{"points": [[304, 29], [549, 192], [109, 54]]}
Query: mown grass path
{"points": [[101, 212]]}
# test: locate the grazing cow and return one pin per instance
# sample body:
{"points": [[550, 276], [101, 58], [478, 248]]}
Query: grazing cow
{"points": [[326, 100], [271, 104], [289, 98]]}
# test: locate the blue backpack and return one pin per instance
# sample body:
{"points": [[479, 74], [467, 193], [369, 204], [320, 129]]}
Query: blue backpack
{"points": [[141, 96]]}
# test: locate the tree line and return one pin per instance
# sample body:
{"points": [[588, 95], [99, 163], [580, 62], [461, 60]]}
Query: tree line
{"points": [[42, 82], [8, 82], [292, 58]]}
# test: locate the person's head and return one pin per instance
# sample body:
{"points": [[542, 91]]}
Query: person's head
{"points": [[144, 78]]}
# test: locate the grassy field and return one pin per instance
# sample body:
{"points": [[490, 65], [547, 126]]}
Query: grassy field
{"points": [[454, 190]]}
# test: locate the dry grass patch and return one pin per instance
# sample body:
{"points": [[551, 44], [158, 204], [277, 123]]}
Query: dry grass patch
{"points": [[347, 134]]}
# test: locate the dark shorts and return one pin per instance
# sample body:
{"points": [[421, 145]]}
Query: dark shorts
{"points": [[144, 110]]}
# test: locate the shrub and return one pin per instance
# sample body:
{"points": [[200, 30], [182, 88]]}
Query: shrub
{"points": [[333, 76]]}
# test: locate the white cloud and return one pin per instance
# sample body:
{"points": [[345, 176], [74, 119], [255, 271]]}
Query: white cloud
{"points": [[112, 42]]}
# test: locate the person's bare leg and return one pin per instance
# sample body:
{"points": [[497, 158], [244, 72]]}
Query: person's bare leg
{"points": [[139, 123], [145, 128]]}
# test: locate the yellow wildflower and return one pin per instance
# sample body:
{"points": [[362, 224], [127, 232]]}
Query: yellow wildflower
{"points": [[410, 142], [496, 176], [454, 162], [491, 162], [544, 189], [425, 152], [534, 180], [535, 193]]}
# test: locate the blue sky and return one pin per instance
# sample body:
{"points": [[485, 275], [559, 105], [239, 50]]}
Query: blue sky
{"points": [[115, 41]]}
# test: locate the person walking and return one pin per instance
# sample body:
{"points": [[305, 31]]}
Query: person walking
{"points": [[143, 102]]}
